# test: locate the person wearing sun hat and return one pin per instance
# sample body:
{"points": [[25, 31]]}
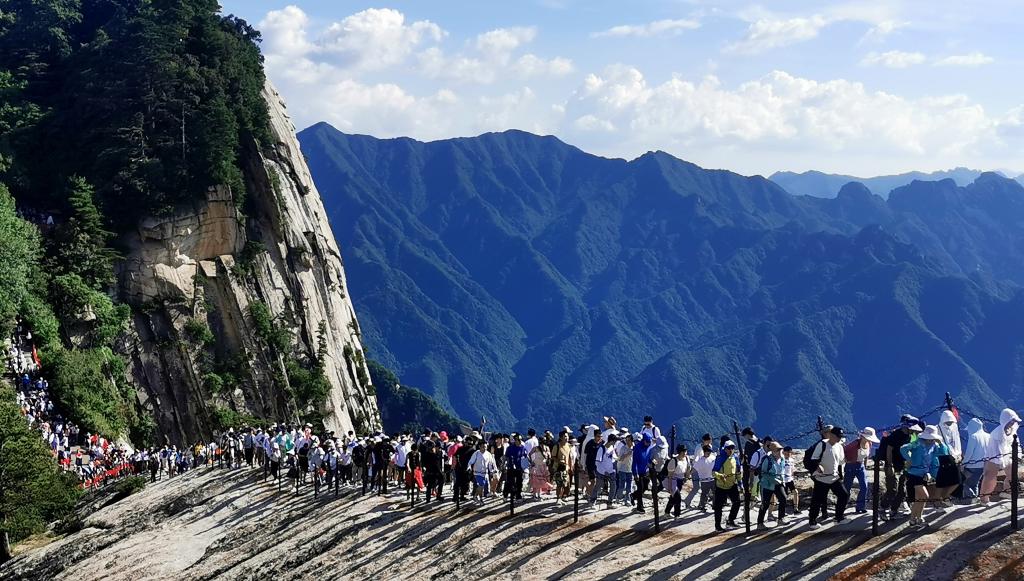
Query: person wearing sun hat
{"points": [[923, 455], [856, 453], [997, 453], [895, 476], [727, 487], [771, 470]]}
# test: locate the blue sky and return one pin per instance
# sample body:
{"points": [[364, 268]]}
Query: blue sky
{"points": [[858, 87]]}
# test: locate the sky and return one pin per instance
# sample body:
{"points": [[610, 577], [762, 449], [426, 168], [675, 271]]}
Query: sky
{"points": [[857, 87]]}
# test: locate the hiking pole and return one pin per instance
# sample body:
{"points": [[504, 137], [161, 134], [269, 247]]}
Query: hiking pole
{"points": [[654, 496], [512, 504], [672, 433], [576, 497], [746, 475], [1014, 482], [874, 500]]}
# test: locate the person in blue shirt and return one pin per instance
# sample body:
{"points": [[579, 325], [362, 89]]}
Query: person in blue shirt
{"points": [[641, 465], [515, 459], [771, 469], [922, 456]]}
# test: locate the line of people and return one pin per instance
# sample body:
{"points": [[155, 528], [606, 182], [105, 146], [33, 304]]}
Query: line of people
{"points": [[614, 466]]}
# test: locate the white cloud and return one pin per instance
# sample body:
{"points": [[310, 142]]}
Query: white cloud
{"points": [[974, 59], [498, 44], [379, 39], [376, 38], [284, 32], [589, 122], [658, 27], [767, 30], [493, 58], [882, 31], [777, 112], [530, 65], [372, 39], [893, 59], [768, 33]]}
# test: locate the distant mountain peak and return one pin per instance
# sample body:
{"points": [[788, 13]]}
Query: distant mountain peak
{"points": [[854, 190], [825, 185]]}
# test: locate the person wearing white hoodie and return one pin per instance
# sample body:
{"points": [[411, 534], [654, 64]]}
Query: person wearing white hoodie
{"points": [[974, 457], [949, 429], [997, 453]]}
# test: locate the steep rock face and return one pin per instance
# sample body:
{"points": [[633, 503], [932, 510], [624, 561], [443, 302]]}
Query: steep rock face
{"points": [[209, 264]]}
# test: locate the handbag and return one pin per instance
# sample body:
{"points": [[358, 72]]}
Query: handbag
{"points": [[949, 472]]}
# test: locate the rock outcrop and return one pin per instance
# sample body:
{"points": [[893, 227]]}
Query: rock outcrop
{"points": [[231, 525], [205, 266]]}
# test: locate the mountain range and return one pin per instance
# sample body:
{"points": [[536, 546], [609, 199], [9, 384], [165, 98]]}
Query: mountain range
{"points": [[516, 277], [826, 185]]}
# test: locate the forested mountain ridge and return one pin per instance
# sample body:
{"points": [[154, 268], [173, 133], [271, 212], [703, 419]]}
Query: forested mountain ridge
{"points": [[517, 277]]}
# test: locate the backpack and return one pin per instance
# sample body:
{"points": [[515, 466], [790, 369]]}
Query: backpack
{"points": [[720, 460], [810, 464], [664, 469], [756, 469]]}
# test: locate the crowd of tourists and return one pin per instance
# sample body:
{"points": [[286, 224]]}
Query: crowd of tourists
{"points": [[92, 457], [608, 466], [611, 467]]}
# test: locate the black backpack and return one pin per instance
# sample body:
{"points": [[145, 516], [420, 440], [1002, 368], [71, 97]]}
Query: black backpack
{"points": [[810, 464], [664, 469]]}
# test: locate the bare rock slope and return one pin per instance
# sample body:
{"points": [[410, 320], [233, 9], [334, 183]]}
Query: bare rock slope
{"points": [[216, 524], [208, 264]]}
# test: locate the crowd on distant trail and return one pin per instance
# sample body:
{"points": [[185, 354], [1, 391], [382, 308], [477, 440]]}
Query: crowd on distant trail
{"points": [[606, 466], [92, 457]]}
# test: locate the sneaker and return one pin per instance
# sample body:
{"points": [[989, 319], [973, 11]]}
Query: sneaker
{"points": [[783, 522], [762, 527], [814, 526], [732, 525], [721, 529], [861, 511], [770, 517], [797, 511]]}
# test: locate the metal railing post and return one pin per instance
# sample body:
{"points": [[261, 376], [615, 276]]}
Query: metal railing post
{"points": [[874, 500], [576, 496], [1014, 482]]}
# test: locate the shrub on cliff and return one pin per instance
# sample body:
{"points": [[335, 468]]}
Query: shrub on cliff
{"points": [[83, 383]]}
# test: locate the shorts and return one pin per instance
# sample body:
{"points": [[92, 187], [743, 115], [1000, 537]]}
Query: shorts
{"points": [[790, 486], [480, 479], [915, 481]]}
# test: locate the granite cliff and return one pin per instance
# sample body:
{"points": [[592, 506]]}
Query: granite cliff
{"points": [[208, 264]]}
